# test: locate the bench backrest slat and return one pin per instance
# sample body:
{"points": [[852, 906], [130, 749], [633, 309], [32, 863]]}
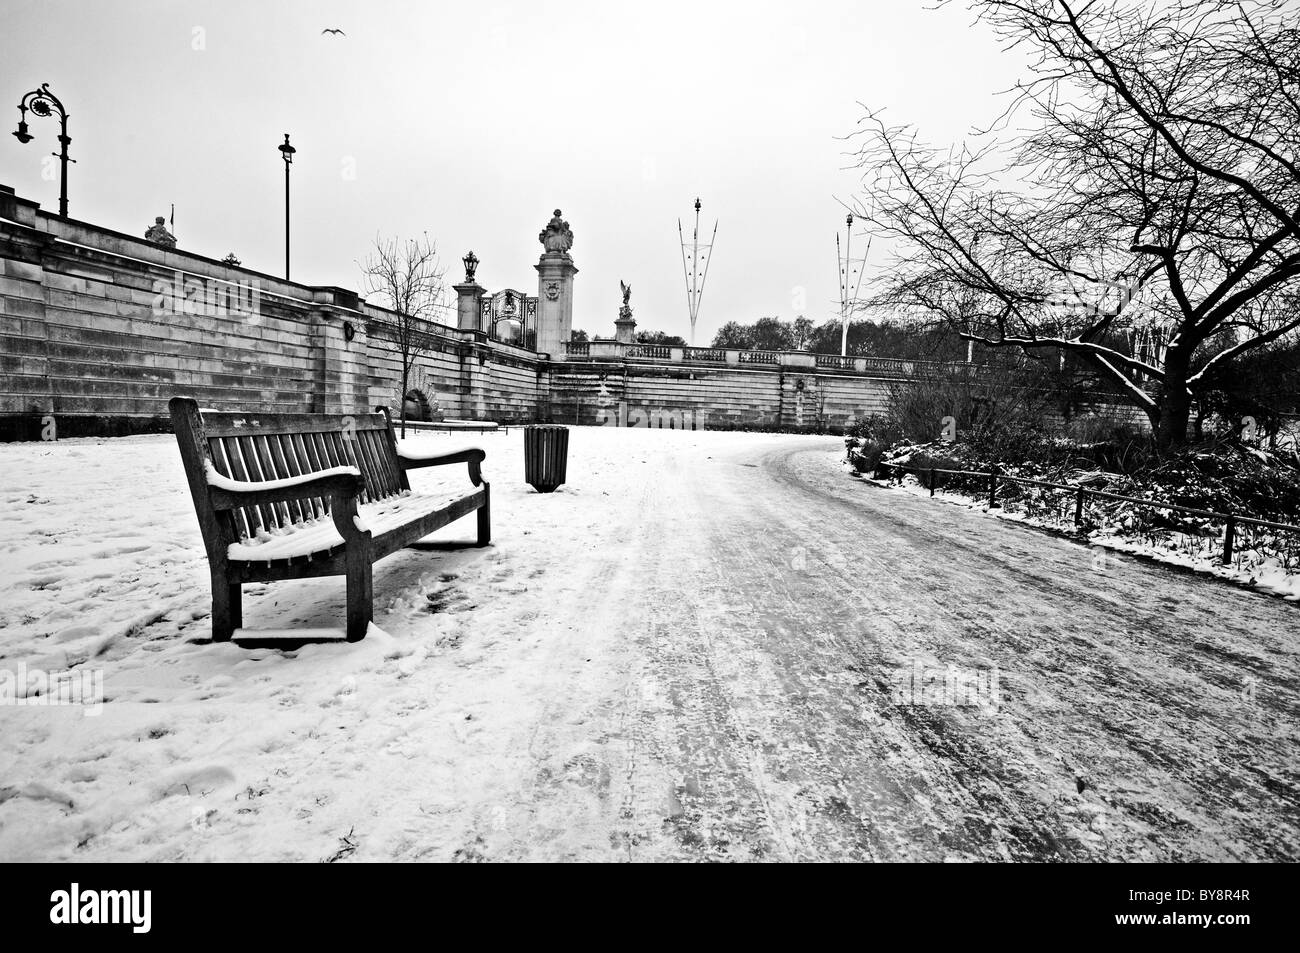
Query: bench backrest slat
{"points": [[263, 447]]}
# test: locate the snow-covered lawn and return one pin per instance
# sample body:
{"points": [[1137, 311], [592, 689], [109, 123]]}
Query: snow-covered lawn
{"points": [[105, 573], [691, 651]]}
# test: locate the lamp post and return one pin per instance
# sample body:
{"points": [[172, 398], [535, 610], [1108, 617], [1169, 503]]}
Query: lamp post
{"points": [[471, 265], [848, 286], [44, 103], [286, 152], [844, 286]]}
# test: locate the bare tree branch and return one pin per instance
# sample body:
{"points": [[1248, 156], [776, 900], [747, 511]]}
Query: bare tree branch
{"points": [[1154, 184], [407, 276]]}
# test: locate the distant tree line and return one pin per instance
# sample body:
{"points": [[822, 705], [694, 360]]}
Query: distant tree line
{"points": [[660, 338], [642, 337], [867, 338]]}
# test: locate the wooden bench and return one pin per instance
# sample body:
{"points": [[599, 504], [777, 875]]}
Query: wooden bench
{"points": [[290, 496]]}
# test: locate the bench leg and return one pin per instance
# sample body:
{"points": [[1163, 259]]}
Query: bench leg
{"points": [[485, 517], [360, 593], [227, 608]]}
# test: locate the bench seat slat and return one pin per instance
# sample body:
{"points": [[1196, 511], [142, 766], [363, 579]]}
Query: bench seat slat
{"points": [[291, 511], [306, 464], [403, 536], [322, 450], [282, 446], [391, 471], [397, 515], [222, 465], [269, 445], [289, 454], [330, 562], [388, 450], [353, 443], [385, 484], [251, 515], [345, 450], [253, 464], [379, 479], [316, 446]]}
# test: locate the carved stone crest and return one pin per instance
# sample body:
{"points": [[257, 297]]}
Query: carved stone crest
{"points": [[552, 290], [556, 237]]}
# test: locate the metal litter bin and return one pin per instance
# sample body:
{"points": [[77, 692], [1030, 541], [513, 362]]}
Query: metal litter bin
{"points": [[546, 456]]}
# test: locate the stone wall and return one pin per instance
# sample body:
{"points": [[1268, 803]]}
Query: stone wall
{"points": [[773, 397], [99, 329]]}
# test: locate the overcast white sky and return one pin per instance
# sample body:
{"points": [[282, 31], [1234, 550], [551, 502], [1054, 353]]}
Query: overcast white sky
{"points": [[473, 120]]}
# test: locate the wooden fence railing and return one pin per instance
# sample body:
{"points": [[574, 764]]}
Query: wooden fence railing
{"points": [[1230, 521]]}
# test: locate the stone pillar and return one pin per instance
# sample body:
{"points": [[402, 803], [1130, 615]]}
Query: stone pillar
{"points": [[625, 327], [554, 303], [343, 360], [555, 271], [469, 306]]}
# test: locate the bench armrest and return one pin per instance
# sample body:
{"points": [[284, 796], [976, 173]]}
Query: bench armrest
{"points": [[227, 494], [473, 456]]}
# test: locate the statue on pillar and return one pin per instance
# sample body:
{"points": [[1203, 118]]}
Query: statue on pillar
{"points": [[625, 312], [556, 237], [157, 233], [625, 326]]}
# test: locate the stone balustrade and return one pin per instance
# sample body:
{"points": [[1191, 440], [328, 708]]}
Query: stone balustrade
{"points": [[735, 357]]}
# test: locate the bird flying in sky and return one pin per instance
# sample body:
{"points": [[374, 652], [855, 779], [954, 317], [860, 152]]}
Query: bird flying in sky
{"points": [[332, 30]]}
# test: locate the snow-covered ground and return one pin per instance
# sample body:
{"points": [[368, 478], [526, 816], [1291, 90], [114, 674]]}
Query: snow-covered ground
{"points": [[705, 646], [1256, 562]]}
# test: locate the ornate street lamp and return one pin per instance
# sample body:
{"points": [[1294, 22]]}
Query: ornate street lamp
{"points": [[286, 152], [471, 265], [44, 103]]}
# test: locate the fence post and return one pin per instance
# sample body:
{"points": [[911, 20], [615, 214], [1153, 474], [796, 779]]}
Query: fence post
{"points": [[993, 491], [1229, 531], [1078, 508], [931, 473]]}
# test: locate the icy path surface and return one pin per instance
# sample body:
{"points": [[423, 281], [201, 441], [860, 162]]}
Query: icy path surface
{"points": [[687, 653]]}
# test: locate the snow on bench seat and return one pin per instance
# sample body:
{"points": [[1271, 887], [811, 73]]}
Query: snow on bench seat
{"points": [[320, 535], [409, 451], [226, 483]]}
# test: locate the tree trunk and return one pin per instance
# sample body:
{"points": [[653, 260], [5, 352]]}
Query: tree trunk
{"points": [[401, 398], [1175, 403], [1175, 415]]}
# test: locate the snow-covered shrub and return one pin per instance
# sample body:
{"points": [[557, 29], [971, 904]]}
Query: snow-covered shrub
{"points": [[865, 457]]}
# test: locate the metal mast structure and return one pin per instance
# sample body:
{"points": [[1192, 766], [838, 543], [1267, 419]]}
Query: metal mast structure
{"points": [[849, 285], [694, 277]]}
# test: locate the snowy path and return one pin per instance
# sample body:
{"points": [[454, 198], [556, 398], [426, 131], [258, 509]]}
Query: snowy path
{"points": [[686, 653]]}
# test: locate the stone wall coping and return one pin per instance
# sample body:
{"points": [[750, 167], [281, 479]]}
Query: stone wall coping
{"points": [[607, 350]]}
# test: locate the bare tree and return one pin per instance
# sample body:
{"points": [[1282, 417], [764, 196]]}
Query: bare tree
{"points": [[408, 277], [1152, 178]]}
